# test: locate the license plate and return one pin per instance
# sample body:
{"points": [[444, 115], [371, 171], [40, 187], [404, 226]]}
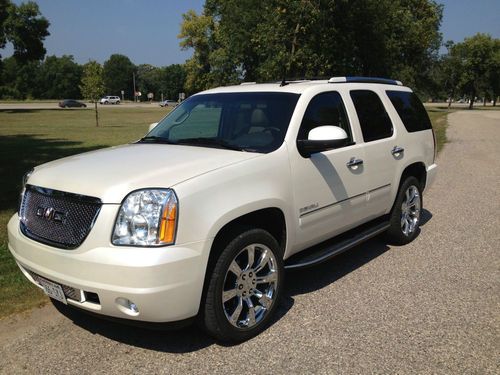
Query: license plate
{"points": [[53, 290]]}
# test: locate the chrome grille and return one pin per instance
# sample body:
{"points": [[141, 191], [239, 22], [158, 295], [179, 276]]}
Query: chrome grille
{"points": [[57, 218]]}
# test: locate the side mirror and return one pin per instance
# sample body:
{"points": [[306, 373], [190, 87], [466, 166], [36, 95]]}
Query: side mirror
{"points": [[152, 126], [322, 138]]}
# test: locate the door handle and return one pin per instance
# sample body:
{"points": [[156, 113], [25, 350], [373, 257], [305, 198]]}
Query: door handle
{"points": [[354, 162], [397, 150]]}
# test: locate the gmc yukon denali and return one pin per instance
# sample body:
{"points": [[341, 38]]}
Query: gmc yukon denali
{"points": [[200, 218]]}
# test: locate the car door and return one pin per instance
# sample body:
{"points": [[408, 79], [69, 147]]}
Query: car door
{"points": [[329, 188], [379, 136]]}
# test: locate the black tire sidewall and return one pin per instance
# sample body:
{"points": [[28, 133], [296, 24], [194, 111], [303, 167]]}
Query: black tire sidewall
{"points": [[215, 320]]}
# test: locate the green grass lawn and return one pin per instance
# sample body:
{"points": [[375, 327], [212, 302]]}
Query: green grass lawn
{"points": [[33, 137], [439, 123]]}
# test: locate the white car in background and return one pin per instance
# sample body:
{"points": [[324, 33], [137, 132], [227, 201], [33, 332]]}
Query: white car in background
{"points": [[168, 103], [110, 100]]}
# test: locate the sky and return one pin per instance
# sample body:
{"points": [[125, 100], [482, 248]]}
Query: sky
{"points": [[146, 30]]}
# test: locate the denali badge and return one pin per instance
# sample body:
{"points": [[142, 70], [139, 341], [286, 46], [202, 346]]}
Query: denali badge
{"points": [[50, 214]]}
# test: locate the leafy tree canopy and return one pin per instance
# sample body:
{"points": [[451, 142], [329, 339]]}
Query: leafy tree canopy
{"points": [[118, 75], [23, 26], [256, 40]]}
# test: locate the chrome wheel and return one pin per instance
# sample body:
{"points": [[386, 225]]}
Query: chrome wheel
{"points": [[250, 286], [410, 210]]}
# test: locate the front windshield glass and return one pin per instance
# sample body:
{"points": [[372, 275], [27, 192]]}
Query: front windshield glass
{"points": [[254, 122]]}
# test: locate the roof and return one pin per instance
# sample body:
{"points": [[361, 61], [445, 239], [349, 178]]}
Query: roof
{"points": [[299, 87]]}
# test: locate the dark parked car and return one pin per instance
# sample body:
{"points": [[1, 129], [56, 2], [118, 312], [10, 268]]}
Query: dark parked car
{"points": [[69, 103]]}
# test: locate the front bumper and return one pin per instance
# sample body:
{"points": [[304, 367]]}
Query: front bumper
{"points": [[164, 283]]}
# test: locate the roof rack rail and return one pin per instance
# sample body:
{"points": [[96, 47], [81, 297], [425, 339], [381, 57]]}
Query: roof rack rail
{"points": [[247, 83], [384, 81]]}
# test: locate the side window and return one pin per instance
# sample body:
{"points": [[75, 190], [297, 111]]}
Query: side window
{"points": [[325, 109], [411, 110], [373, 118]]}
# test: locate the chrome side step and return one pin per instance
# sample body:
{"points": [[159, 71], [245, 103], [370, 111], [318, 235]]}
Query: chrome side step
{"points": [[328, 249]]}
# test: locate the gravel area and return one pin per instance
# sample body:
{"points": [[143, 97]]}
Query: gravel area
{"points": [[432, 306]]}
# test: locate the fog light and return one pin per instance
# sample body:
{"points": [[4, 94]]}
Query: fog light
{"points": [[127, 306], [133, 307]]}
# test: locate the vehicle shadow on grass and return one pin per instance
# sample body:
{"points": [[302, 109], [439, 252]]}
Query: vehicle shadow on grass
{"points": [[192, 338], [20, 153]]}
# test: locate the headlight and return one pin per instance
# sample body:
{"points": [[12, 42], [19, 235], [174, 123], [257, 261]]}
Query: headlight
{"points": [[25, 178], [23, 188], [147, 218]]}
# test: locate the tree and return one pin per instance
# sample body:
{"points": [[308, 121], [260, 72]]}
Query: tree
{"points": [[20, 81], [148, 79], [25, 28], [118, 75], [59, 78], [172, 80], [92, 86], [197, 33], [450, 72], [255, 40], [477, 64]]}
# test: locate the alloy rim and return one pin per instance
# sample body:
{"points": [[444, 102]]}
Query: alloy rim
{"points": [[250, 286], [410, 211]]}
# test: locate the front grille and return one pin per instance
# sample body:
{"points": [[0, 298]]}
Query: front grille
{"points": [[69, 291], [57, 218]]}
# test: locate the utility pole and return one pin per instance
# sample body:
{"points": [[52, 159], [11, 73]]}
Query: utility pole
{"points": [[133, 78]]}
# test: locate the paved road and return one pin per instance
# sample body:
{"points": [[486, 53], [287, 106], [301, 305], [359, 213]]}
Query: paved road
{"points": [[429, 307], [54, 105]]}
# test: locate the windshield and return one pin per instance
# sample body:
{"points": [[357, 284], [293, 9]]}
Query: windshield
{"points": [[254, 122]]}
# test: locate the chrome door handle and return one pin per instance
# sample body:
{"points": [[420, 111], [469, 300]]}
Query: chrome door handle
{"points": [[354, 162], [397, 150]]}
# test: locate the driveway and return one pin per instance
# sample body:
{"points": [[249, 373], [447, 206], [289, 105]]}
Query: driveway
{"points": [[432, 306]]}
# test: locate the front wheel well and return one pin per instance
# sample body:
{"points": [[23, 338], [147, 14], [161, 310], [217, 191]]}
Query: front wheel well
{"points": [[269, 219]]}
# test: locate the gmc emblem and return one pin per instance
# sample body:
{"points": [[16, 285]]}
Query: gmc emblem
{"points": [[50, 214]]}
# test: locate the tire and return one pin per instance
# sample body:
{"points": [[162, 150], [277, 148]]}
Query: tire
{"points": [[404, 217], [242, 296]]}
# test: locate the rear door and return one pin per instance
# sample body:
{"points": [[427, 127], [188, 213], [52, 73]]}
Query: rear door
{"points": [[379, 136]]}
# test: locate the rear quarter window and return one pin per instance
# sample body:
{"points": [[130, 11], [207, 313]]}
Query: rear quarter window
{"points": [[411, 110]]}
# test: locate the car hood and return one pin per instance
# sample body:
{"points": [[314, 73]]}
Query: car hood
{"points": [[110, 174]]}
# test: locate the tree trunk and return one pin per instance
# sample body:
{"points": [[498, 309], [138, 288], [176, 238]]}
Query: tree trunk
{"points": [[484, 100], [96, 114], [495, 101], [472, 98]]}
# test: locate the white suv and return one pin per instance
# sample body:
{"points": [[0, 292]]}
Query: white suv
{"points": [[201, 217], [110, 100]]}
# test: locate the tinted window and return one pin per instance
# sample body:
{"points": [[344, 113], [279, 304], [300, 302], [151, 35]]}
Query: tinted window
{"points": [[256, 121], [325, 109], [411, 110], [373, 119]]}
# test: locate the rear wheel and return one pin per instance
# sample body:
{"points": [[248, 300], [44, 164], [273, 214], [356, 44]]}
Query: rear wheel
{"points": [[244, 287], [405, 215]]}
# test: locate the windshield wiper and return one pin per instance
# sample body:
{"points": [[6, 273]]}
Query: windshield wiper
{"points": [[156, 139], [214, 142]]}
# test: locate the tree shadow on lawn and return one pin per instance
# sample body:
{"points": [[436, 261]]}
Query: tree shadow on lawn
{"points": [[192, 338], [20, 153]]}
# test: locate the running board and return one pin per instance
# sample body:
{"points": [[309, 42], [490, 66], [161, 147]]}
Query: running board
{"points": [[328, 249]]}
